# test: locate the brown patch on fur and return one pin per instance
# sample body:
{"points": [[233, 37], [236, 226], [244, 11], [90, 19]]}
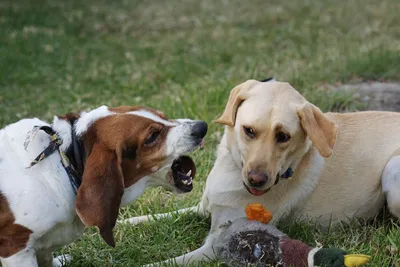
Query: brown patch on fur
{"points": [[70, 117], [13, 237], [118, 157], [99, 196]]}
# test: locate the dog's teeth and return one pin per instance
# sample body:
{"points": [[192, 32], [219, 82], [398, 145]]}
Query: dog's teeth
{"points": [[190, 182], [189, 173], [185, 182]]}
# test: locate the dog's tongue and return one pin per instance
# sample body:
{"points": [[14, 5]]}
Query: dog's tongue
{"points": [[256, 192]]}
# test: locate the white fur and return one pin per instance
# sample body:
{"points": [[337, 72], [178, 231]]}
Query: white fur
{"points": [[41, 197], [179, 135], [63, 129], [391, 185], [87, 118], [151, 116]]}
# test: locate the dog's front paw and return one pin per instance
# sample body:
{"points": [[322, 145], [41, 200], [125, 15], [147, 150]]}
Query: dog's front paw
{"points": [[62, 260]]}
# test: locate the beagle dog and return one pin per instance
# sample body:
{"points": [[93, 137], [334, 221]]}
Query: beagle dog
{"points": [[56, 179], [280, 150]]}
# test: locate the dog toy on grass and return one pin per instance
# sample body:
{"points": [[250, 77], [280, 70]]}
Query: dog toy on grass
{"points": [[257, 212], [252, 241]]}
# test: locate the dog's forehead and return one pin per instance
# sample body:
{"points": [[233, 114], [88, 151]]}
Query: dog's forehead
{"points": [[151, 116], [87, 119], [127, 109], [270, 104], [273, 91]]}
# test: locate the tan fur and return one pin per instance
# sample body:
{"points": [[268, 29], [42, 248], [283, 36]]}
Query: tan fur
{"points": [[345, 165], [236, 97], [321, 131], [340, 139]]}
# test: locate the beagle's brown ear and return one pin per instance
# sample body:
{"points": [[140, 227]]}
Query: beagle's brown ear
{"points": [[99, 196], [319, 128], [236, 97]]}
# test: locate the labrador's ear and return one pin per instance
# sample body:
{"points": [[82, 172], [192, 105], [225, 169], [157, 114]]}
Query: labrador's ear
{"points": [[236, 97], [319, 128], [100, 194]]}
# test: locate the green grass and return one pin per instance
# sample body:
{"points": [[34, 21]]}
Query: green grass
{"points": [[183, 57]]}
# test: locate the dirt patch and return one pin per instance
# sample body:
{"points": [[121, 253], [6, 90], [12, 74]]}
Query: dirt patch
{"points": [[374, 95]]}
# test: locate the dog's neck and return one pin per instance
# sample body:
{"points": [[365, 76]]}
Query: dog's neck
{"points": [[73, 146]]}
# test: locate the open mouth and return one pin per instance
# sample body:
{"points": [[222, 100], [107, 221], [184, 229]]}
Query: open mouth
{"points": [[183, 172], [257, 192], [254, 191]]}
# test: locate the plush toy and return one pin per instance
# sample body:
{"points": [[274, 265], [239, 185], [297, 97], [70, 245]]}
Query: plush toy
{"points": [[252, 241]]}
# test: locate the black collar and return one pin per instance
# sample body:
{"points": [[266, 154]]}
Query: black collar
{"points": [[73, 159], [76, 156], [286, 175]]}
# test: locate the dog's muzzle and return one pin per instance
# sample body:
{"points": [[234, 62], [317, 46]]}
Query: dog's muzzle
{"points": [[257, 192]]}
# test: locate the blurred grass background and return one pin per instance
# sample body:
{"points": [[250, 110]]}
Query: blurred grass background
{"points": [[183, 57]]}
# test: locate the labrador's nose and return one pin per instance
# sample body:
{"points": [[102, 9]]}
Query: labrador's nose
{"points": [[199, 129], [257, 178]]}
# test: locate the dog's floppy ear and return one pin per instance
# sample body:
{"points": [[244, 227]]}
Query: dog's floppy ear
{"points": [[236, 97], [99, 196], [321, 131]]}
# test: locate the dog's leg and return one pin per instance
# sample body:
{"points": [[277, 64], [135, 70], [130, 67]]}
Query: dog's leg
{"points": [[149, 218], [44, 258], [26, 258], [61, 260], [391, 185], [204, 253]]}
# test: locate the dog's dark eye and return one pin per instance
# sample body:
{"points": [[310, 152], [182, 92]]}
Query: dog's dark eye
{"points": [[249, 131], [282, 137], [152, 138]]}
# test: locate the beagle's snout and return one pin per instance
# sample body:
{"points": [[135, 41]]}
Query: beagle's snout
{"points": [[199, 129], [257, 178]]}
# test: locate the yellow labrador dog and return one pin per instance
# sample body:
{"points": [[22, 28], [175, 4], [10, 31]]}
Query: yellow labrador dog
{"points": [[280, 150]]}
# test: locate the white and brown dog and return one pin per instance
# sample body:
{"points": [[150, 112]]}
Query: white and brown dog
{"points": [[92, 164], [280, 150]]}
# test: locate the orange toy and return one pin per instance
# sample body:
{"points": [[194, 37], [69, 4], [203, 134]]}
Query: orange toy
{"points": [[257, 212]]}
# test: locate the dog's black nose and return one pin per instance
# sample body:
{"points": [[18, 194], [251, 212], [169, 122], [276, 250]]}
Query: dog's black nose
{"points": [[199, 129], [257, 178]]}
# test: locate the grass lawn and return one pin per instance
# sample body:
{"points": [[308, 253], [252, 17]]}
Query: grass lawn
{"points": [[183, 57]]}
